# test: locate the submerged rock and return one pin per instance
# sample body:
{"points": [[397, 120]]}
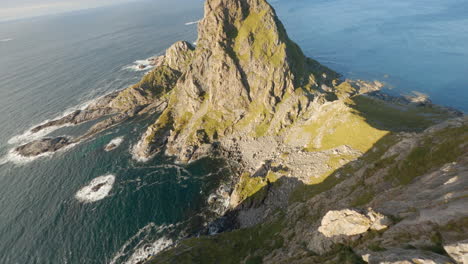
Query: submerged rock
{"points": [[113, 144], [96, 190]]}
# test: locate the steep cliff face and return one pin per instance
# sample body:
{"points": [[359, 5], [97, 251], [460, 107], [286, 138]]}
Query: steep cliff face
{"points": [[243, 68]]}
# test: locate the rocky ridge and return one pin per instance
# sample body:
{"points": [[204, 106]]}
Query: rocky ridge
{"points": [[147, 96]]}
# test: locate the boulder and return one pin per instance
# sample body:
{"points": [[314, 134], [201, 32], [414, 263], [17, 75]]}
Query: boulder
{"points": [[379, 221], [345, 222], [458, 251]]}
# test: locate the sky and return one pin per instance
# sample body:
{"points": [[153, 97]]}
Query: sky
{"points": [[17, 9]]}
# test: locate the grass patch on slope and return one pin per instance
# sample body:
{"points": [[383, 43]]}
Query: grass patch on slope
{"points": [[263, 40], [253, 187], [259, 117], [249, 244], [341, 126], [396, 117], [434, 151], [153, 85], [365, 120]]}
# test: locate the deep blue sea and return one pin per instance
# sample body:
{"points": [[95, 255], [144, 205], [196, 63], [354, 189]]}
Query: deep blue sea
{"points": [[51, 65]]}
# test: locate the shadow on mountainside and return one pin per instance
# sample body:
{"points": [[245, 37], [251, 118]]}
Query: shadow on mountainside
{"points": [[250, 245], [394, 114]]}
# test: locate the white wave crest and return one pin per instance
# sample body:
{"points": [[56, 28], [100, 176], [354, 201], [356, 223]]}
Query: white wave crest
{"points": [[134, 151], [6, 40], [192, 23], [141, 65], [146, 251], [114, 143], [138, 248], [96, 190], [29, 135]]}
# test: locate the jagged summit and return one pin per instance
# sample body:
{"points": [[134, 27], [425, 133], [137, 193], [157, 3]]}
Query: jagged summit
{"points": [[248, 53], [251, 40], [243, 67]]}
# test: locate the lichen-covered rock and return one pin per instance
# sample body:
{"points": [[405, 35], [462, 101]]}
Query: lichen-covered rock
{"points": [[345, 222], [179, 56], [349, 222], [154, 84], [379, 221], [458, 251]]}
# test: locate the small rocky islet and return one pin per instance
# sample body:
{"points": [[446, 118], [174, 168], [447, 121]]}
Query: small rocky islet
{"points": [[327, 170]]}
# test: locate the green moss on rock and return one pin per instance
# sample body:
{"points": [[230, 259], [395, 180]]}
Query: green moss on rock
{"points": [[152, 86], [262, 40], [434, 151]]}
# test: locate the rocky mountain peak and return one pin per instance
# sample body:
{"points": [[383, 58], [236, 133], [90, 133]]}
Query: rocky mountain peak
{"points": [[247, 38], [243, 67]]}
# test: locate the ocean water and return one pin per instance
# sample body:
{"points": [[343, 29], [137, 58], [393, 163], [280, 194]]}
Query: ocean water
{"points": [[417, 45], [51, 65]]}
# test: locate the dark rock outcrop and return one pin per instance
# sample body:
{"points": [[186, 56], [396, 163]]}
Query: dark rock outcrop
{"points": [[42, 146]]}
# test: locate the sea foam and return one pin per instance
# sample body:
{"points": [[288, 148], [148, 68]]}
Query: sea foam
{"points": [[29, 135], [96, 190], [6, 40], [136, 65], [114, 143], [14, 157], [192, 23], [139, 247], [146, 251], [134, 152]]}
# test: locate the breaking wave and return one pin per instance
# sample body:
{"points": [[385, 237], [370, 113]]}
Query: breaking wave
{"points": [[146, 251], [14, 157], [29, 135], [140, 65], [192, 23], [6, 40], [139, 247], [114, 143], [134, 151], [96, 190]]}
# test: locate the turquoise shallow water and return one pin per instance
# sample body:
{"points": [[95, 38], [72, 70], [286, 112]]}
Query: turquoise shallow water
{"points": [[50, 64]]}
